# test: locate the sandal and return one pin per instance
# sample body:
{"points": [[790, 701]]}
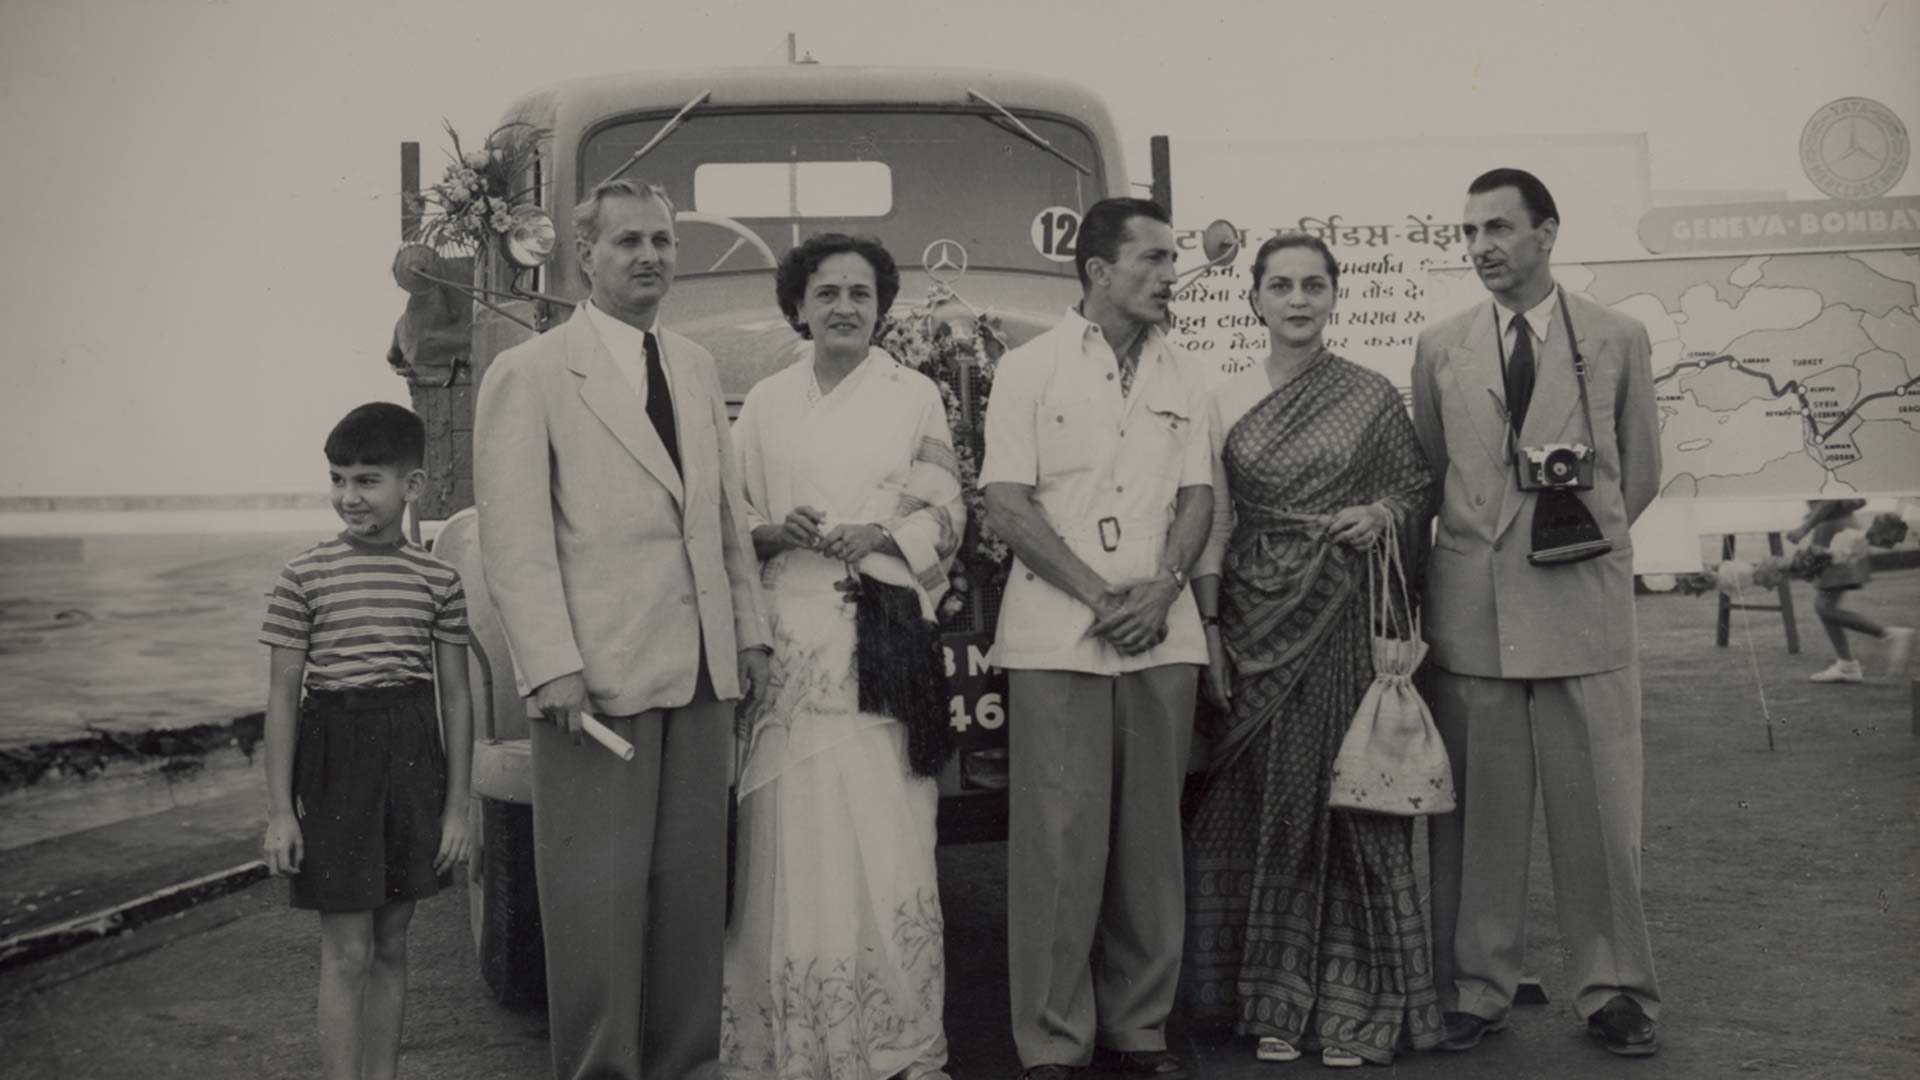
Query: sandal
{"points": [[1272, 1049], [1333, 1057]]}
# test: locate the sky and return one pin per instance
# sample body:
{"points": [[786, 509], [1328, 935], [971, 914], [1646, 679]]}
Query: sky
{"points": [[200, 197]]}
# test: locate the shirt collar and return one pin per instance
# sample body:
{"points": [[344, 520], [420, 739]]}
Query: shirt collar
{"points": [[362, 544], [1081, 328], [1539, 317], [619, 334]]}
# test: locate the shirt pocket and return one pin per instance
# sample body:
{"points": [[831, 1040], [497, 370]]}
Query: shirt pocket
{"points": [[1070, 439], [1159, 434]]}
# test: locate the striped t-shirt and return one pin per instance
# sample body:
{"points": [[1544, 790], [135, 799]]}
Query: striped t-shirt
{"points": [[367, 614]]}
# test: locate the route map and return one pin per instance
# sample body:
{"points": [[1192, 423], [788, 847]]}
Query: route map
{"points": [[1777, 376]]}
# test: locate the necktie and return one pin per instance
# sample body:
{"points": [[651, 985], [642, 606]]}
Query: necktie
{"points": [[660, 403], [1519, 373]]}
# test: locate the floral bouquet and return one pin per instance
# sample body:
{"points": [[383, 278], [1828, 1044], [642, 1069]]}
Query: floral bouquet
{"points": [[957, 360], [1810, 562], [1735, 576], [472, 205], [1700, 581], [1887, 530], [1772, 572]]}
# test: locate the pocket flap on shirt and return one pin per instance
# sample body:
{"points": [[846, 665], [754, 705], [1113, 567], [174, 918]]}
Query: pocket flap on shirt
{"points": [[1169, 403]]}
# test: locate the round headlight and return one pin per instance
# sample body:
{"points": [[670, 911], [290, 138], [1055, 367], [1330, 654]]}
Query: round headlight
{"points": [[410, 262], [530, 240]]}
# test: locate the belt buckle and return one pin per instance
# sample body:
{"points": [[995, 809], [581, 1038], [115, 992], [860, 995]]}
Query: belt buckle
{"points": [[1110, 534]]}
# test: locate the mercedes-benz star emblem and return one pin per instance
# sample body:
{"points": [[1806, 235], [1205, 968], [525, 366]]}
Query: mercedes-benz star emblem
{"points": [[944, 260], [1854, 148]]}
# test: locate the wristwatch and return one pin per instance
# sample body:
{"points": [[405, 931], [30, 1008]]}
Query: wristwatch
{"points": [[1179, 578]]}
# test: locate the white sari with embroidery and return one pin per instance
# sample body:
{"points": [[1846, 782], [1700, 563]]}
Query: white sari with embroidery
{"points": [[835, 964]]}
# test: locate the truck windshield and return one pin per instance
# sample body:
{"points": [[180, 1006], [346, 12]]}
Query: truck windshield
{"points": [[908, 178]]}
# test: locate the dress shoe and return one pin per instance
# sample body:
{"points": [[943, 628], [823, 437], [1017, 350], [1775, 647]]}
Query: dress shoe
{"points": [[1624, 1027], [1465, 1030], [1162, 1064]]}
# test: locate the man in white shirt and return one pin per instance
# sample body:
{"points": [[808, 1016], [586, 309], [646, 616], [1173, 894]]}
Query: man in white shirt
{"points": [[1097, 476]]}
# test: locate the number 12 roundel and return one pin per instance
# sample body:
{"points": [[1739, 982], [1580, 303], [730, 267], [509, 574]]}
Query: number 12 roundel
{"points": [[1054, 231]]}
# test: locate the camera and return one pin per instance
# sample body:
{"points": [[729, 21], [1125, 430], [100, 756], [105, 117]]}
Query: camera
{"points": [[1556, 467]]}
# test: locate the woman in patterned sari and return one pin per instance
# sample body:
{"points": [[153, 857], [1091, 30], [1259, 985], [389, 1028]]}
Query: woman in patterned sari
{"points": [[835, 957], [1305, 924]]}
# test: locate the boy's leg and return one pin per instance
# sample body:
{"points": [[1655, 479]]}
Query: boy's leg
{"points": [[1837, 620], [383, 1009], [346, 957]]}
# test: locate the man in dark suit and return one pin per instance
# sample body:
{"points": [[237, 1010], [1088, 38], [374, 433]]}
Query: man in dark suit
{"points": [[1535, 669]]}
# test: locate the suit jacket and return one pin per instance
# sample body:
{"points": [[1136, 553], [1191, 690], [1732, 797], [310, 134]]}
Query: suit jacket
{"points": [[1488, 611], [600, 558]]}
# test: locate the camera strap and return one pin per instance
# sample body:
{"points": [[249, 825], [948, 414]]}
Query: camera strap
{"points": [[1579, 370]]}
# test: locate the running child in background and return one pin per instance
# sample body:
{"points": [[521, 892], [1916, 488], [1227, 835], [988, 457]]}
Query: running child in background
{"points": [[1826, 519], [368, 804]]}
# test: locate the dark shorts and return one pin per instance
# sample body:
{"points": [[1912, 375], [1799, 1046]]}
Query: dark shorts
{"points": [[369, 782]]}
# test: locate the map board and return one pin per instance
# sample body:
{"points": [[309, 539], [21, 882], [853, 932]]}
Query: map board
{"points": [[1784, 376], [1777, 376]]}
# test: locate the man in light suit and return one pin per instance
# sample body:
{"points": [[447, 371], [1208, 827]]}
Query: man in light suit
{"points": [[612, 535], [1535, 670]]}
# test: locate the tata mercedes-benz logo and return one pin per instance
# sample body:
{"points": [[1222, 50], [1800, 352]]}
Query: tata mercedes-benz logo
{"points": [[1854, 148], [944, 260]]}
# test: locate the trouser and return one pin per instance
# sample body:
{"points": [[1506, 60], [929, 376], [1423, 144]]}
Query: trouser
{"points": [[1579, 736], [1093, 851], [631, 860]]}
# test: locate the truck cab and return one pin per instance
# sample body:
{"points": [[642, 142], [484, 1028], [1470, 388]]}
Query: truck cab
{"points": [[974, 180]]}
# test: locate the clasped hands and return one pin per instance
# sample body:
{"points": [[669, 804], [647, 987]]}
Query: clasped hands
{"points": [[1133, 618], [805, 528]]}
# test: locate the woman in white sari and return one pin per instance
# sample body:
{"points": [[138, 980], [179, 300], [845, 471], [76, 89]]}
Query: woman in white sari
{"points": [[835, 964]]}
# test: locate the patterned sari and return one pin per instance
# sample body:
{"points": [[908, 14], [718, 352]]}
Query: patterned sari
{"points": [[1305, 921]]}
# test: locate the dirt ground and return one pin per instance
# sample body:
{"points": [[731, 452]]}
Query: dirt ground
{"points": [[1782, 888]]}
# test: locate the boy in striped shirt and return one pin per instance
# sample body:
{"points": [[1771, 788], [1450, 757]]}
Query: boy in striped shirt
{"points": [[367, 806]]}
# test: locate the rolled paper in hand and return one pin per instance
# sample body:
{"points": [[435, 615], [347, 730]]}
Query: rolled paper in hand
{"points": [[604, 735]]}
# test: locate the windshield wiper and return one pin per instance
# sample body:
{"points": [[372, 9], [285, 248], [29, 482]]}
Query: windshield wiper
{"points": [[660, 136], [1026, 132]]}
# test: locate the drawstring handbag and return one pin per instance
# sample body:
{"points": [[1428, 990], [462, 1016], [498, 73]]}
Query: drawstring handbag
{"points": [[1392, 760]]}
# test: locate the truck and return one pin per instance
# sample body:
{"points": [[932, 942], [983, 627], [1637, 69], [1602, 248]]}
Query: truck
{"points": [[975, 180]]}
